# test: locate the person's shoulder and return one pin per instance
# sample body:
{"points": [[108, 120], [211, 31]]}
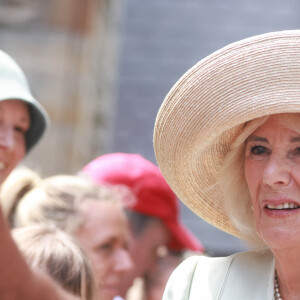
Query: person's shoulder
{"points": [[253, 263], [198, 270], [193, 262], [253, 257], [199, 275]]}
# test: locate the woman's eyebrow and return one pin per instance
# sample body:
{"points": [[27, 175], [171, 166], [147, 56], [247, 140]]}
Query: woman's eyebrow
{"points": [[295, 139], [256, 138], [24, 120]]}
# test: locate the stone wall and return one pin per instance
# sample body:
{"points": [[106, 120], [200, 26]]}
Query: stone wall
{"points": [[163, 39], [67, 49]]}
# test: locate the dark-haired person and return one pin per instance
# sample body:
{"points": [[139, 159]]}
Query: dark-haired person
{"points": [[157, 231]]}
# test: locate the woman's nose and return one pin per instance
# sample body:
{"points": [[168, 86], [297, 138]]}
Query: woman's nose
{"points": [[277, 172], [124, 261], [6, 136]]}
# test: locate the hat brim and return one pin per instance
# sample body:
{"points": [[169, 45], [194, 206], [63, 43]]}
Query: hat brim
{"points": [[14, 86], [205, 110], [39, 119]]}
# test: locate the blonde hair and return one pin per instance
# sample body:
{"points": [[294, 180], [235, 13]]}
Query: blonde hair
{"points": [[29, 199], [58, 254], [233, 182], [18, 183]]}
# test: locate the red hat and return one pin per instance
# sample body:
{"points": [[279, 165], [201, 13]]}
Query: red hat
{"points": [[154, 196]]}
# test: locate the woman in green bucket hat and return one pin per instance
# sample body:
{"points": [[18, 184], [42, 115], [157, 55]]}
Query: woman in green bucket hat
{"points": [[23, 121]]}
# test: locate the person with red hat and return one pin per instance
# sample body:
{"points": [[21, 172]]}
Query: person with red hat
{"points": [[153, 216]]}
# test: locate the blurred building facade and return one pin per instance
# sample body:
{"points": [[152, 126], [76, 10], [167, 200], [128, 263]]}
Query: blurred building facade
{"points": [[161, 40], [102, 68], [68, 50]]}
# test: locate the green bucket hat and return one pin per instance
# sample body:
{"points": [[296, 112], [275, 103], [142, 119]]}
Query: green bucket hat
{"points": [[14, 86]]}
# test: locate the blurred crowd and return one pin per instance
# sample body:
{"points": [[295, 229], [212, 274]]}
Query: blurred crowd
{"points": [[111, 231]]}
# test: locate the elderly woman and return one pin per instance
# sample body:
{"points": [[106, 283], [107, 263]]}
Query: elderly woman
{"points": [[22, 124], [227, 139]]}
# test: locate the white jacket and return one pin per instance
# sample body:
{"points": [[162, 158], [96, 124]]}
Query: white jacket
{"points": [[242, 276]]}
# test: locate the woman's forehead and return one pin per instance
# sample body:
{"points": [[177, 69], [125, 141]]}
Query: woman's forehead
{"points": [[19, 105], [275, 128], [286, 120]]}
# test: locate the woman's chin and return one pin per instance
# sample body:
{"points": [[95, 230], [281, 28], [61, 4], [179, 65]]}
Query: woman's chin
{"points": [[280, 239]]}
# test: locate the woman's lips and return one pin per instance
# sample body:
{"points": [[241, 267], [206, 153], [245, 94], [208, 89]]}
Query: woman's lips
{"points": [[111, 289], [284, 205], [281, 207]]}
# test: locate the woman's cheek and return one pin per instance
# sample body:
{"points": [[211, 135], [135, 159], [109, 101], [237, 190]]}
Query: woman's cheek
{"points": [[296, 173]]}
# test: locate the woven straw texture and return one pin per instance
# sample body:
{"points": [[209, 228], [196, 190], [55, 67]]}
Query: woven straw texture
{"points": [[206, 109]]}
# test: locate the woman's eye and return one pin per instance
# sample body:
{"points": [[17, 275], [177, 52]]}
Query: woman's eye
{"points": [[296, 151], [107, 246], [20, 129], [259, 150]]}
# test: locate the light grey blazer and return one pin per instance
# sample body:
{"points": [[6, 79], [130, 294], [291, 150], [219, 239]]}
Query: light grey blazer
{"points": [[242, 276]]}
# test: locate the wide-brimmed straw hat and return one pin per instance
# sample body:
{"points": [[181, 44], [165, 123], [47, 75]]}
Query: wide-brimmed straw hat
{"points": [[14, 86], [205, 111]]}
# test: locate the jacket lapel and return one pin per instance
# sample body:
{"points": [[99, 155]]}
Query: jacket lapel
{"points": [[250, 276]]}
